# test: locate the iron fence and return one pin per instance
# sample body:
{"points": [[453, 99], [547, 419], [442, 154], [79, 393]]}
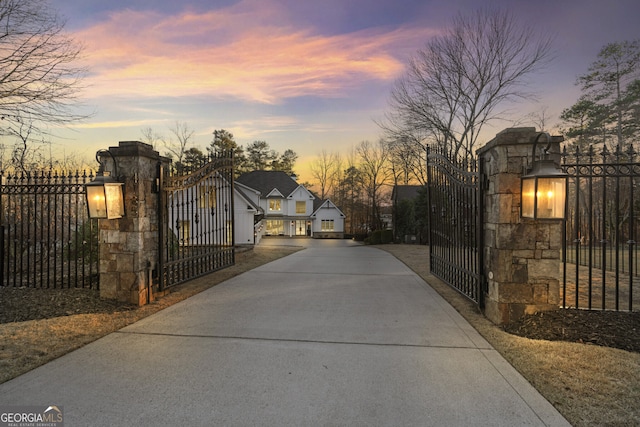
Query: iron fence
{"points": [[46, 237], [600, 251]]}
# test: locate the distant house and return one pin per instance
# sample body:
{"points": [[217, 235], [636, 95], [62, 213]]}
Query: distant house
{"points": [[282, 207]]}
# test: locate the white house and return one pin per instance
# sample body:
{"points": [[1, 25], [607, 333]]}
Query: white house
{"points": [[286, 208], [246, 209]]}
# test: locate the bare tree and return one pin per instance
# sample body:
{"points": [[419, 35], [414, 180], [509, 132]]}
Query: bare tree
{"points": [[457, 82], [373, 165], [24, 157], [539, 119], [407, 158], [39, 78], [324, 170], [178, 147], [149, 136]]}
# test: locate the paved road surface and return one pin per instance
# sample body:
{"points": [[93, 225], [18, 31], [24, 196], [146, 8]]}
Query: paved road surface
{"points": [[334, 335]]}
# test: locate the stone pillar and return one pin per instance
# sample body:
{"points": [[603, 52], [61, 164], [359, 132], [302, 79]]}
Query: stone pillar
{"points": [[129, 245], [522, 255]]}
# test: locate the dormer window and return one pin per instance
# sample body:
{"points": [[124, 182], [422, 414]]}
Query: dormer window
{"points": [[275, 205]]}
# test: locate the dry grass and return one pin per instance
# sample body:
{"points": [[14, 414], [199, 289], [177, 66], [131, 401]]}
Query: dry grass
{"points": [[27, 345], [589, 385]]}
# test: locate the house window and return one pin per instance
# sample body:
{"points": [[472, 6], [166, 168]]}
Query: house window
{"points": [[274, 228], [207, 197], [327, 225], [183, 232], [301, 207], [275, 205]]}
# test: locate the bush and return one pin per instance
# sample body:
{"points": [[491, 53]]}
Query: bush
{"points": [[379, 237]]}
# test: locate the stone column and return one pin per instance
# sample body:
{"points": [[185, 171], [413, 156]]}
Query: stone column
{"points": [[522, 255], [129, 245]]}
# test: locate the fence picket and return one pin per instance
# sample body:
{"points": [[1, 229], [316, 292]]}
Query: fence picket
{"points": [[602, 230], [43, 233]]}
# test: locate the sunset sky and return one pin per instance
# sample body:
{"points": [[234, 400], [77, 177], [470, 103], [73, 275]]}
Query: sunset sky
{"points": [[299, 74]]}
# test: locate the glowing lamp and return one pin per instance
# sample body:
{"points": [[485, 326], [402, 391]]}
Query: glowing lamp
{"points": [[105, 195], [543, 188]]}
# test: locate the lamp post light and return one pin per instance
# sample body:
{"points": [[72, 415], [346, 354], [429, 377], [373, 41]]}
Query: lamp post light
{"points": [[105, 195], [543, 187]]}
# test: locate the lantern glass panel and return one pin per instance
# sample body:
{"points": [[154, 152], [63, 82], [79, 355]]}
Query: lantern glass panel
{"points": [[528, 197], [550, 197], [114, 200], [96, 201]]}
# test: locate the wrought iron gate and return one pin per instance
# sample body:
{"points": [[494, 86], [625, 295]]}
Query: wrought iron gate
{"points": [[601, 255], [196, 221], [46, 237], [455, 222]]}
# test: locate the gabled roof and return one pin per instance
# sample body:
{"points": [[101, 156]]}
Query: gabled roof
{"points": [[275, 193], [266, 181], [326, 203], [317, 202], [242, 192]]}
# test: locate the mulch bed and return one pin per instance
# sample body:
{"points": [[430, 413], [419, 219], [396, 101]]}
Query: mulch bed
{"points": [[605, 328], [615, 329]]}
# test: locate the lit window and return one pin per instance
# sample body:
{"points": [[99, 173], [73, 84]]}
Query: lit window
{"points": [[184, 232], [274, 227], [207, 196], [327, 225], [301, 207], [275, 205]]}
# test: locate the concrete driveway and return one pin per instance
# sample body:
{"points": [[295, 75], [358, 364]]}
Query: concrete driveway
{"points": [[337, 334]]}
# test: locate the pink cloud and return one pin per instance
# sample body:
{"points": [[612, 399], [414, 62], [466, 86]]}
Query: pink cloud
{"points": [[249, 51]]}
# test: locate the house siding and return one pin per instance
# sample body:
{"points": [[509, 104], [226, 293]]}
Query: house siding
{"points": [[328, 212], [244, 219]]}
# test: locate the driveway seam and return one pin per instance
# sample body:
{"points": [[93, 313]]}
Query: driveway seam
{"points": [[290, 340]]}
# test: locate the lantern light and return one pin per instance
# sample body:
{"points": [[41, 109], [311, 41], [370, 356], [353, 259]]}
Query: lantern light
{"points": [[105, 195], [543, 188]]}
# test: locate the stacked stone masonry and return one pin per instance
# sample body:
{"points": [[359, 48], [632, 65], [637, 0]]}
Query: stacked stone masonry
{"points": [[522, 256], [129, 245]]}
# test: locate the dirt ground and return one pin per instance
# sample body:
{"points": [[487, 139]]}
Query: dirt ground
{"points": [[587, 364]]}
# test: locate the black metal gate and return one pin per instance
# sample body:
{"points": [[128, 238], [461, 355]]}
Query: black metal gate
{"points": [[455, 222], [600, 252], [196, 221], [46, 237]]}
